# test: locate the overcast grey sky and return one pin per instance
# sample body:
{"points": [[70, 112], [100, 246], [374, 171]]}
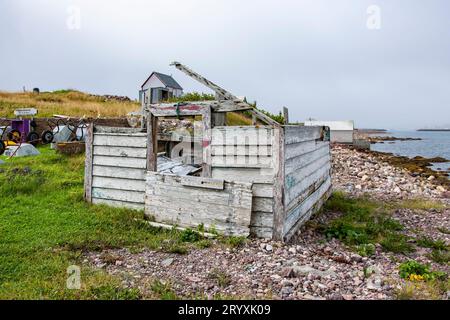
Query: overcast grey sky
{"points": [[317, 57]]}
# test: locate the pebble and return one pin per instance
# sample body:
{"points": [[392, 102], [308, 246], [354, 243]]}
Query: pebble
{"points": [[167, 262]]}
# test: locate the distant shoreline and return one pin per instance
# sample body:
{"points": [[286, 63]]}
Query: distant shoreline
{"points": [[433, 129]]}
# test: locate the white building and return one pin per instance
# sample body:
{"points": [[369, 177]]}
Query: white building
{"points": [[340, 131], [162, 87]]}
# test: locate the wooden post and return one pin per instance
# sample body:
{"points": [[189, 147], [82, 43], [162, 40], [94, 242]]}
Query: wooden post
{"points": [[254, 120], [279, 211], [286, 115], [206, 143], [219, 119], [89, 143], [152, 142]]}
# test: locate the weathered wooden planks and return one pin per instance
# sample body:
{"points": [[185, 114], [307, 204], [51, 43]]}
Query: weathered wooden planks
{"points": [[227, 210], [116, 172], [152, 143], [119, 130], [88, 167], [137, 140], [263, 190], [255, 175], [118, 184], [242, 161], [298, 176], [118, 195], [296, 134], [207, 183], [297, 163], [297, 223], [242, 150], [120, 152], [303, 209], [261, 232], [118, 163], [295, 193], [306, 177], [242, 136], [278, 187], [206, 143], [265, 181], [263, 204], [247, 154], [299, 148]]}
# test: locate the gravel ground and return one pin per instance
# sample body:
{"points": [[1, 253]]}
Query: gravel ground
{"points": [[308, 268]]}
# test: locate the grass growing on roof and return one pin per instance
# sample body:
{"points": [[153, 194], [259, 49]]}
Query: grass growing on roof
{"points": [[45, 226]]}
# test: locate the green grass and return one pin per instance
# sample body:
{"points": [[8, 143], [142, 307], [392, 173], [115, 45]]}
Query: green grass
{"points": [[432, 244], [412, 267], [163, 291], [440, 256], [418, 204], [45, 226], [444, 230], [364, 222], [221, 277], [440, 250]]}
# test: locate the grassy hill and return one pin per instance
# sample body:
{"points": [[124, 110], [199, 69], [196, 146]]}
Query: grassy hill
{"points": [[78, 104], [65, 102]]}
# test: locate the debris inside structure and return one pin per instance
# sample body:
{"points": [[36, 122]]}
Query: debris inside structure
{"points": [[177, 167]]}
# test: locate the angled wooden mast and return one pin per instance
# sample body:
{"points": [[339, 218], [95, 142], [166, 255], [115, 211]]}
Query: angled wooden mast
{"points": [[224, 96]]}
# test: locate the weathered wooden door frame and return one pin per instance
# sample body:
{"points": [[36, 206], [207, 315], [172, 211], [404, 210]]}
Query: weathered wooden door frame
{"points": [[179, 111]]}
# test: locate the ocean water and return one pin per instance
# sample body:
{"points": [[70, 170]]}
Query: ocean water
{"points": [[433, 144]]}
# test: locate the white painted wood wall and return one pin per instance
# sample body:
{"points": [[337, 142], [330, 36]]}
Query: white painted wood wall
{"points": [[119, 167], [247, 154], [252, 155], [189, 202], [307, 170]]}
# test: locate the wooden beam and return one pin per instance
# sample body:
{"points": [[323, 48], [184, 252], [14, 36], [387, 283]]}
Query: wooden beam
{"points": [[89, 141], [254, 120], [206, 143], [175, 111], [228, 106], [279, 212], [221, 92], [264, 118], [152, 142], [208, 183], [218, 119], [286, 115], [217, 106]]}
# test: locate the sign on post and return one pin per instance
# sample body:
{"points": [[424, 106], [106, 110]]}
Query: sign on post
{"points": [[25, 112]]}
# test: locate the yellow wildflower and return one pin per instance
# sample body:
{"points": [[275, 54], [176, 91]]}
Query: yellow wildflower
{"points": [[416, 277]]}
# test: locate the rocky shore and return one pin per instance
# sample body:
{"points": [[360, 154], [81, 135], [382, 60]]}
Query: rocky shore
{"points": [[382, 139], [312, 266], [386, 176]]}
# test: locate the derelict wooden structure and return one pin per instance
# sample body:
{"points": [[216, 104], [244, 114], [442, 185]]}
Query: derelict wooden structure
{"points": [[265, 180]]}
